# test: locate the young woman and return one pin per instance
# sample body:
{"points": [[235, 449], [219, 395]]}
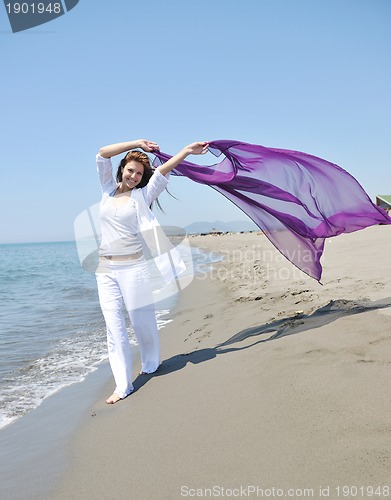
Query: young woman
{"points": [[122, 275]]}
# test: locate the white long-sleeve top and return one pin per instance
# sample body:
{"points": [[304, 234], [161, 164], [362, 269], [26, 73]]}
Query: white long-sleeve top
{"points": [[119, 225], [127, 229]]}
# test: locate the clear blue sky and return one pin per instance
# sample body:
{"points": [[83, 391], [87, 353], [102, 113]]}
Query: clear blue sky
{"points": [[309, 75]]}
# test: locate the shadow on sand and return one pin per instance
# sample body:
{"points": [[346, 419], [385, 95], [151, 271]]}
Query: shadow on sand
{"points": [[293, 325]]}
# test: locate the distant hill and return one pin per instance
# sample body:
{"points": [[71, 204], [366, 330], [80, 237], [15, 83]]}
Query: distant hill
{"points": [[218, 225]]}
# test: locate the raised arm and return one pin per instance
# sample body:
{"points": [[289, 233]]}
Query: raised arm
{"points": [[121, 147], [196, 148]]}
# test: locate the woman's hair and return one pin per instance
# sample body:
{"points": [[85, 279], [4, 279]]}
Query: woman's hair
{"points": [[140, 157]]}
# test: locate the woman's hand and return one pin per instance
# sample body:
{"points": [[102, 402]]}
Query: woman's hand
{"points": [[197, 148], [147, 146]]}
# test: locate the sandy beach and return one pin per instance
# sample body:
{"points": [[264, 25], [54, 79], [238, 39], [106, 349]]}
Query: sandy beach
{"points": [[271, 384]]}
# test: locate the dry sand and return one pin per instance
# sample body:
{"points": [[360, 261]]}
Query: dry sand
{"points": [[269, 380]]}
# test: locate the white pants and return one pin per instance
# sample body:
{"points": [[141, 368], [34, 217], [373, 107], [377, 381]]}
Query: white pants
{"points": [[128, 283]]}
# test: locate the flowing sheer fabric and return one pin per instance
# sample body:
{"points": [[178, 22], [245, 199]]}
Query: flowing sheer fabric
{"points": [[296, 199]]}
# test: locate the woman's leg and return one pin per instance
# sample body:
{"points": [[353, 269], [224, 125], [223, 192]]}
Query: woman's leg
{"points": [[120, 356], [137, 293], [144, 324]]}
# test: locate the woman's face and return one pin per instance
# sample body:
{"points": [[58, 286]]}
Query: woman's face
{"points": [[132, 173]]}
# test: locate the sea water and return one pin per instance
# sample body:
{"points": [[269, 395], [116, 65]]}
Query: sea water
{"points": [[52, 332]]}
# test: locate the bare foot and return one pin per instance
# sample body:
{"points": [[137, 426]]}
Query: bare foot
{"points": [[114, 398]]}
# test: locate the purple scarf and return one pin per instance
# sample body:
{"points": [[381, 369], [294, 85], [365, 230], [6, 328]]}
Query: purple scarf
{"points": [[296, 199]]}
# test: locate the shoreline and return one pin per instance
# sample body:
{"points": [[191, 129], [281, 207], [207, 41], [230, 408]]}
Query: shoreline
{"points": [[268, 378], [35, 446]]}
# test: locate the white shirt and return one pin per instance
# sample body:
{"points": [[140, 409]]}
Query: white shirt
{"points": [[148, 231], [119, 225]]}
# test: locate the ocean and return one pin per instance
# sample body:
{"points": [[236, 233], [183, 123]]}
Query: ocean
{"points": [[52, 332]]}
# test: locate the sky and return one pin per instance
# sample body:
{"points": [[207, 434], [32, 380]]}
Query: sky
{"points": [[307, 75]]}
